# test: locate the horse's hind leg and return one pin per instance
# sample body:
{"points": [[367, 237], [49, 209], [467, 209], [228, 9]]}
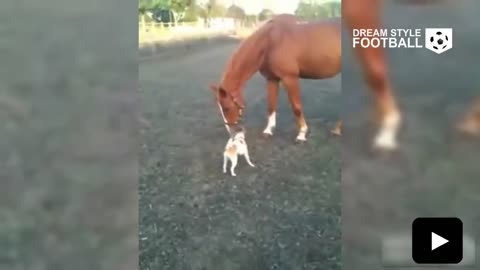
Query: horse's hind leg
{"points": [[293, 89], [358, 15], [272, 92]]}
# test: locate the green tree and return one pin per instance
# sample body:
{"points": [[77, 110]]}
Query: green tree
{"points": [[311, 10], [179, 8], [211, 9], [250, 20], [218, 10], [214, 9], [201, 11], [192, 14], [236, 12], [147, 5], [334, 9], [265, 14]]}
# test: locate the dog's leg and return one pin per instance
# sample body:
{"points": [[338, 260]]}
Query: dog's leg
{"points": [[225, 160], [234, 164], [247, 158]]}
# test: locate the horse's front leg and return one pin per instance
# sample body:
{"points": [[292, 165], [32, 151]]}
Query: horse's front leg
{"points": [[366, 15], [387, 108], [272, 98], [293, 89]]}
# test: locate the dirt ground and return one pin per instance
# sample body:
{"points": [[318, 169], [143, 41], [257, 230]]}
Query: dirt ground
{"points": [[436, 172], [283, 214], [68, 151]]}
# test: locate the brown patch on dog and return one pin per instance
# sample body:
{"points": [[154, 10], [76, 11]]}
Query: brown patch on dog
{"points": [[231, 150]]}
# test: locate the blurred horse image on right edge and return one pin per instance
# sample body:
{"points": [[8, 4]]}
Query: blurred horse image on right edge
{"points": [[366, 14]]}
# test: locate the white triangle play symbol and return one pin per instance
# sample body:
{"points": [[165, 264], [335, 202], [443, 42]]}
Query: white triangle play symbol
{"points": [[437, 241]]}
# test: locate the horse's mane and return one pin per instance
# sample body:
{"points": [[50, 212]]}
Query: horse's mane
{"points": [[248, 57]]}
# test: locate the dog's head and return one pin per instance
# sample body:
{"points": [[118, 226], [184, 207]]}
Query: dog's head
{"points": [[238, 132], [238, 135]]}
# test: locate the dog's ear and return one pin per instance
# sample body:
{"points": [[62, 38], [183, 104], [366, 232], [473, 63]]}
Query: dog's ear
{"points": [[214, 87]]}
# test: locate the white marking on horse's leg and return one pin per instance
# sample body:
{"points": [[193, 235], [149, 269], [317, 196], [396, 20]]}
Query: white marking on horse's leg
{"points": [[387, 135], [272, 122], [224, 119], [302, 134]]}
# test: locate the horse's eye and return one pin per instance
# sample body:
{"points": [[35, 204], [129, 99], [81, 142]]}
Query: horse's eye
{"points": [[222, 93]]}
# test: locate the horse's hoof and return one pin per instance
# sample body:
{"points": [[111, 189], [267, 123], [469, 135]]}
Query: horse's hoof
{"points": [[300, 141], [267, 135], [384, 153], [385, 141], [384, 150], [301, 137], [336, 132]]}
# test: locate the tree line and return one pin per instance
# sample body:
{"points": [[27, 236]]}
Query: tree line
{"points": [[190, 10]]}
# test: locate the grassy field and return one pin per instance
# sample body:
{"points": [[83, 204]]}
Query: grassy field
{"points": [[436, 171], [154, 33], [283, 214]]}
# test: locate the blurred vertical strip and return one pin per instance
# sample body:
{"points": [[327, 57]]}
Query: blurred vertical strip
{"points": [[68, 129]]}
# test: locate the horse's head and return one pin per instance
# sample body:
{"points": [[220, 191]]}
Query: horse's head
{"points": [[231, 105]]}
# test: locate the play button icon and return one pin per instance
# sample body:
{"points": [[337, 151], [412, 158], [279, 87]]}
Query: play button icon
{"points": [[437, 240]]}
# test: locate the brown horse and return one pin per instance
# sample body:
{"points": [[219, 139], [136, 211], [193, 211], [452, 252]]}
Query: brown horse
{"points": [[282, 50], [366, 14]]}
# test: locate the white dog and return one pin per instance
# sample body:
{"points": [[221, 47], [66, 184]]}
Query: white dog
{"points": [[236, 146]]}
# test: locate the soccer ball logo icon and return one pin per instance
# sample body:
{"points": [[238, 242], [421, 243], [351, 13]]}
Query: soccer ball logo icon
{"points": [[438, 40]]}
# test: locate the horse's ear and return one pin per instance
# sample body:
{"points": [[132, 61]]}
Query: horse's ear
{"points": [[214, 87]]}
